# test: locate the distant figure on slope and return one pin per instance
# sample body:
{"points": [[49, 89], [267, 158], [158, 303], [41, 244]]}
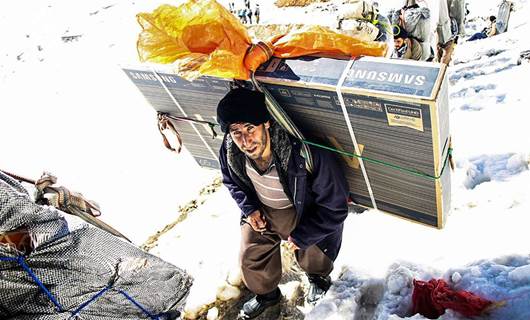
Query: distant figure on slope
{"points": [[256, 13], [242, 14], [406, 47], [487, 32], [279, 199], [249, 15]]}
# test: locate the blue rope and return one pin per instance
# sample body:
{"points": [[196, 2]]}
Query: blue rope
{"points": [[22, 263], [7, 259], [94, 298], [153, 317]]}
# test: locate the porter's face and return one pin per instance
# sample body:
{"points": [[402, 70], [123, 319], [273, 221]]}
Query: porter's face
{"points": [[398, 43], [251, 139]]}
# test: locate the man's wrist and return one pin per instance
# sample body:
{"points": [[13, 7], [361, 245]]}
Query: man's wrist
{"points": [[246, 214], [296, 242]]}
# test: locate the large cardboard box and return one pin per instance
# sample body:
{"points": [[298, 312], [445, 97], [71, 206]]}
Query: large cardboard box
{"points": [[394, 113]]}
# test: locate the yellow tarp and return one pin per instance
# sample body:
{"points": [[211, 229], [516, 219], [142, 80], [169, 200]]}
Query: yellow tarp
{"points": [[203, 38], [202, 32], [317, 39]]}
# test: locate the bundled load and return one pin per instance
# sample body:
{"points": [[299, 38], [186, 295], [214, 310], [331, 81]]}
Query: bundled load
{"points": [[296, 3], [364, 29], [364, 17], [503, 16], [204, 38], [58, 267]]}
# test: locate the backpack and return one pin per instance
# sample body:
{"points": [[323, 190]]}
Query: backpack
{"points": [[457, 14], [415, 20], [454, 27]]}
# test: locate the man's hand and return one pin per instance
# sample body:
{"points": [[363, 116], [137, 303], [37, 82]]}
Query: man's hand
{"points": [[291, 244], [256, 221]]}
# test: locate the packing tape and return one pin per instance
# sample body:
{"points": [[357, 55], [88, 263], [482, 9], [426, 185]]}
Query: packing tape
{"points": [[338, 89]]}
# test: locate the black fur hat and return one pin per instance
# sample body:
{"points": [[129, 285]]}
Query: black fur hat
{"points": [[242, 105], [400, 33]]}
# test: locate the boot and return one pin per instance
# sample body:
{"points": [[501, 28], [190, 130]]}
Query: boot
{"points": [[255, 306], [318, 286]]}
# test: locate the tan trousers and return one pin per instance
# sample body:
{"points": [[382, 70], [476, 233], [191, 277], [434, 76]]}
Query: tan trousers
{"points": [[445, 52], [260, 255]]}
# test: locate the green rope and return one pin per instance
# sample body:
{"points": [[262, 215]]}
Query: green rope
{"points": [[411, 171]]}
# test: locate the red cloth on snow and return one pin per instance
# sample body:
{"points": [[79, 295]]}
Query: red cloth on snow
{"points": [[430, 299]]}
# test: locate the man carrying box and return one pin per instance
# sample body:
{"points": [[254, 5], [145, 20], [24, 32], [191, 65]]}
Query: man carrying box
{"points": [[279, 199]]}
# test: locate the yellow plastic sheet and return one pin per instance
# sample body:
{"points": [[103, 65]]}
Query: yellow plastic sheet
{"points": [[322, 40], [202, 30], [201, 37]]}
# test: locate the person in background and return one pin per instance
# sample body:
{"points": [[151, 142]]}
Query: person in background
{"points": [[450, 26], [487, 32], [279, 199], [241, 13], [249, 15], [406, 47], [415, 19], [256, 13]]}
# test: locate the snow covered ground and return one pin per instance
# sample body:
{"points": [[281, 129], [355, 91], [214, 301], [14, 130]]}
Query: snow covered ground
{"points": [[66, 107]]}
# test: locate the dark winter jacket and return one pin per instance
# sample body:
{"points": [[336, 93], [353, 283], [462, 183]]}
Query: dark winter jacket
{"points": [[320, 198]]}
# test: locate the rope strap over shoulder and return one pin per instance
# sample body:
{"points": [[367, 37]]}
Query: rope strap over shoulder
{"points": [[285, 121]]}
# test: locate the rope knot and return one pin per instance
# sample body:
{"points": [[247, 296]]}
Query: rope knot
{"points": [[258, 54], [62, 198]]}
